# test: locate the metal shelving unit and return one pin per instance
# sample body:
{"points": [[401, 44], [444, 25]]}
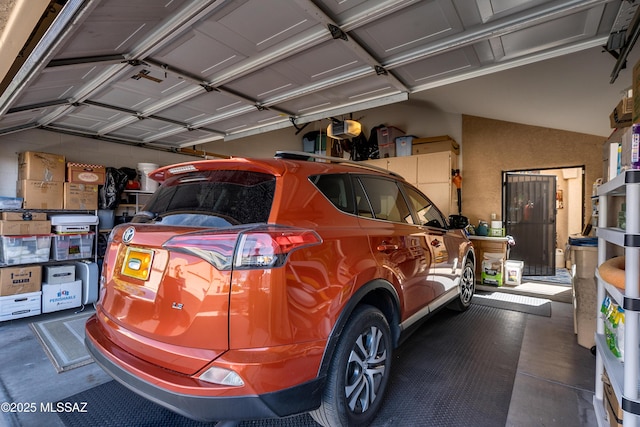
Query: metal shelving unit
{"points": [[624, 376], [136, 199]]}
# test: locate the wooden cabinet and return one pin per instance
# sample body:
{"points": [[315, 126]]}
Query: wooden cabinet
{"points": [[431, 173], [486, 244]]}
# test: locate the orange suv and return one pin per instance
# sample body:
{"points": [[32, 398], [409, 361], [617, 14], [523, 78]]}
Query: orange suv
{"points": [[261, 288]]}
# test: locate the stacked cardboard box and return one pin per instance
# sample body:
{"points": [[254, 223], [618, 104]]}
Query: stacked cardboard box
{"points": [[42, 185], [60, 290], [613, 410], [435, 144], [81, 188], [41, 180], [20, 290], [24, 223]]}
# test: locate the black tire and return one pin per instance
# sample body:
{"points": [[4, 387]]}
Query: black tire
{"points": [[467, 288], [359, 371]]}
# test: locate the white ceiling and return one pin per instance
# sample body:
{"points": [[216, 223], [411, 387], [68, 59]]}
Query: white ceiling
{"points": [[571, 92], [177, 73]]}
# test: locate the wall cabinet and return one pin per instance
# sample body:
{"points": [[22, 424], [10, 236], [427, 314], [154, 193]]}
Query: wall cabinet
{"points": [[624, 376], [431, 173]]}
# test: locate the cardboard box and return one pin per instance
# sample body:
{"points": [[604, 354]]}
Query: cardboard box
{"points": [[20, 280], [36, 166], [24, 216], [435, 144], [610, 401], [22, 305], [496, 232], [82, 173], [23, 228], [41, 194], [61, 296], [614, 159], [56, 274], [80, 196], [635, 86], [621, 115]]}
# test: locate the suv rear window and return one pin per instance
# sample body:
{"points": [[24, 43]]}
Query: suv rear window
{"points": [[385, 199], [336, 188], [212, 199]]}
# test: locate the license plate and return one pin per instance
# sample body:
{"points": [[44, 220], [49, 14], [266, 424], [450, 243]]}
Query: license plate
{"points": [[137, 263]]}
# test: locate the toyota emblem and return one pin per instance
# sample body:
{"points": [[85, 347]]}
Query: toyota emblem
{"points": [[127, 236]]}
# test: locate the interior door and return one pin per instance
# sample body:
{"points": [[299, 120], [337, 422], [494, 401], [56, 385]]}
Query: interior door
{"points": [[531, 220]]}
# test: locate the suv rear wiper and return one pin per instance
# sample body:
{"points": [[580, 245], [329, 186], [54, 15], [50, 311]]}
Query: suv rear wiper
{"points": [[150, 216]]}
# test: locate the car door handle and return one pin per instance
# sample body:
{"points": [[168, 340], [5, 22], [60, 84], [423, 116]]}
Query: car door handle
{"points": [[387, 247]]}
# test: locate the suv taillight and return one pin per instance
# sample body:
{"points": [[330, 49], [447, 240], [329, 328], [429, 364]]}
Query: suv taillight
{"points": [[263, 247]]}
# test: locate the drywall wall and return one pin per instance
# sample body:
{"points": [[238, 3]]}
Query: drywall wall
{"points": [[413, 117], [487, 148], [75, 149], [493, 146]]}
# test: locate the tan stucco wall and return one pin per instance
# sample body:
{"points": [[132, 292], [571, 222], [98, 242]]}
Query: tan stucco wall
{"points": [[490, 147]]}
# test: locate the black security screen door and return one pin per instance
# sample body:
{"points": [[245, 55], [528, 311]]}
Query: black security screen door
{"points": [[531, 220]]}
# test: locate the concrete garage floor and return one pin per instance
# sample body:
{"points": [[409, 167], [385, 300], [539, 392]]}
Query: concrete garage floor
{"points": [[554, 382]]}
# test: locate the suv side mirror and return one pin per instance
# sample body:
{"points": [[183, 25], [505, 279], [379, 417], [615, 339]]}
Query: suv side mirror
{"points": [[458, 221]]}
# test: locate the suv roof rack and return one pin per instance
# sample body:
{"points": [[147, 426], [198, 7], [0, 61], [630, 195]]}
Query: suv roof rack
{"points": [[301, 155]]}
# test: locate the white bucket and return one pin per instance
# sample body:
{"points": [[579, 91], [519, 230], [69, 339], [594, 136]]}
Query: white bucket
{"points": [[513, 272], [146, 183], [560, 258]]}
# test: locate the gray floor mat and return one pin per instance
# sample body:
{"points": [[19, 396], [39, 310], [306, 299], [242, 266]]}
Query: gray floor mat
{"points": [[455, 370], [505, 301]]}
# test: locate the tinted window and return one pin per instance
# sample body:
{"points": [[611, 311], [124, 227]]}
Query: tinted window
{"points": [[336, 188], [362, 202], [386, 200], [426, 211], [212, 198]]}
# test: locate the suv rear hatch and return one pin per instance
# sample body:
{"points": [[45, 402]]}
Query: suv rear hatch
{"points": [[167, 274]]}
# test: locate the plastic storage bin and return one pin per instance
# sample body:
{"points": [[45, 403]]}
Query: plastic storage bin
{"points": [[24, 249], [387, 141], [11, 202], [404, 145], [72, 246]]}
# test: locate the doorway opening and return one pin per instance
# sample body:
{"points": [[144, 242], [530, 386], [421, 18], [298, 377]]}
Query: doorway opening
{"points": [[541, 208]]}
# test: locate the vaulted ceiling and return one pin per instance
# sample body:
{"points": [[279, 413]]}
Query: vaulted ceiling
{"points": [[178, 73]]}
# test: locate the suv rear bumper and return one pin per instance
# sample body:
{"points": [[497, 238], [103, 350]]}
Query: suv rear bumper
{"points": [[294, 400]]}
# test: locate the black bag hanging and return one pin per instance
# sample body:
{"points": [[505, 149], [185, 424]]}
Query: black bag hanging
{"points": [[359, 147], [309, 141], [374, 150], [114, 183]]}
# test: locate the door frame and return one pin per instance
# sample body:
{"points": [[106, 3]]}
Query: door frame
{"points": [[583, 198]]}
